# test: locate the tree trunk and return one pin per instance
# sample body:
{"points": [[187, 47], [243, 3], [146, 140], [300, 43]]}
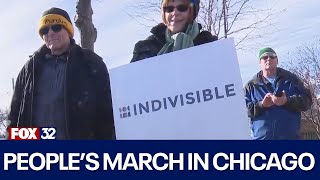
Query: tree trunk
{"points": [[83, 21], [225, 22]]}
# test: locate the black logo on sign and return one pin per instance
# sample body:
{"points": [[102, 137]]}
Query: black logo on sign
{"points": [[124, 112]]}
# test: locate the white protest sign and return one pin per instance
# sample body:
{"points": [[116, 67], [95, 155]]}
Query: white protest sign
{"points": [[194, 94]]}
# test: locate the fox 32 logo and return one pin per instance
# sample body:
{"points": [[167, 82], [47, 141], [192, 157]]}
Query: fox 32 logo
{"points": [[3, 129], [31, 133]]}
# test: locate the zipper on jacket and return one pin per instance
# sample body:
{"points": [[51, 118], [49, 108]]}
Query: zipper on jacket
{"points": [[56, 64], [32, 91], [65, 98], [274, 129]]}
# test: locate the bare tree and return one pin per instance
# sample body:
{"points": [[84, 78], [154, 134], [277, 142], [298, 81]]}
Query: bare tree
{"points": [[223, 18], [83, 20], [305, 62], [149, 9], [226, 18]]}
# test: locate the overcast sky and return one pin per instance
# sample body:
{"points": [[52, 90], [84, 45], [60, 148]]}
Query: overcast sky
{"points": [[118, 32]]}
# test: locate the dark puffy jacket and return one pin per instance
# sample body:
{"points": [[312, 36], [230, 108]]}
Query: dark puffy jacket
{"points": [[88, 103], [277, 122], [153, 44]]}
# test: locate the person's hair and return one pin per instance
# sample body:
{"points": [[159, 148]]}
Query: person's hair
{"points": [[166, 2]]}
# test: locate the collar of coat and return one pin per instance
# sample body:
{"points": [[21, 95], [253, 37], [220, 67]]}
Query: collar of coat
{"points": [[159, 32], [43, 50], [281, 73]]}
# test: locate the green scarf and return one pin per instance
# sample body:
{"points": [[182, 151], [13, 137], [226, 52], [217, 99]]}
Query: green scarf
{"points": [[180, 40]]}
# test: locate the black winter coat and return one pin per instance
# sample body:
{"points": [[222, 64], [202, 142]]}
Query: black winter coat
{"points": [[88, 103], [153, 44]]}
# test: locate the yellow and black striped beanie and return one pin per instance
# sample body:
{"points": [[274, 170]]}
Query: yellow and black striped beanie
{"points": [[56, 16]]}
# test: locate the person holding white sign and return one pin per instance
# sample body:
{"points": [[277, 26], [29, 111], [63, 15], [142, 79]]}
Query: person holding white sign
{"points": [[179, 30], [275, 99]]}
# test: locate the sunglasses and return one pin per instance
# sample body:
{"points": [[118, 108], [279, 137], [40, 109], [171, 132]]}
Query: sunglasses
{"points": [[181, 8], [54, 28], [266, 57]]}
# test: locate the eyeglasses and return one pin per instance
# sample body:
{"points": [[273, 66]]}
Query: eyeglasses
{"points": [[266, 57], [181, 8], [54, 28]]}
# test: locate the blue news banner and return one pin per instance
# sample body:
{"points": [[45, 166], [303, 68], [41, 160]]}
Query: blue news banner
{"points": [[159, 159]]}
